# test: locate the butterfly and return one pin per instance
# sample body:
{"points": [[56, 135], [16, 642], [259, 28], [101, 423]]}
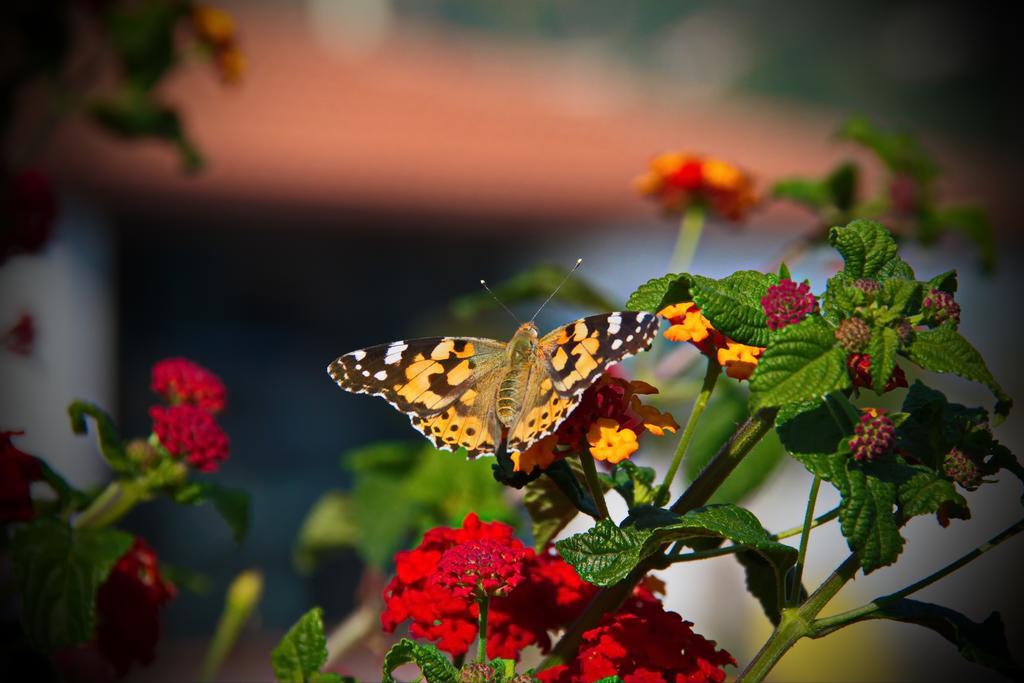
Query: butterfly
{"points": [[473, 393]]}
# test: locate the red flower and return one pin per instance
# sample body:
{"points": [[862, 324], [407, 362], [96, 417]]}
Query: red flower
{"points": [[17, 471], [28, 208], [476, 567], [128, 608], [438, 613], [940, 307], [20, 337], [859, 366], [643, 643], [788, 303], [873, 435], [179, 380], [192, 433]]}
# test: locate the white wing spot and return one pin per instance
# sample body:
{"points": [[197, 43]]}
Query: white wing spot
{"points": [[614, 323], [366, 373], [616, 344], [629, 338], [380, 375], [394, 353]]}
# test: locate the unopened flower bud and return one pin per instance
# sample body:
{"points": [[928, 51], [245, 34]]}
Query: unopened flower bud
{"points": [[853, 335], [939, 307], [873, 436], [959, 467]]}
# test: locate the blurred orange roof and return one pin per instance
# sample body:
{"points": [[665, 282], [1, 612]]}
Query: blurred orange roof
{"points": [[432, 123]]}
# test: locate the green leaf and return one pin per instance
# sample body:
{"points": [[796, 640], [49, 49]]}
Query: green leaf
{"points": [[943, 349], [733, 304], [107, 436], [142, 35], [655, 294], [814, 194], [58, 571], [134, 114], [299, 656], [550, 511], [568, 479], [899, 151], [811, 427], [841, 298], [803, 362], [328, 527], [970, 221], [925, 492], [606, 553], [537, 283], [634, 483], [432, 662], [842, 185], [944, 282], [866, 513], [866, 247], [901, 297], [896, 268], [727, 408], [504, 670], [882, 348], [232, 504], [763, 583], [983, 643]]}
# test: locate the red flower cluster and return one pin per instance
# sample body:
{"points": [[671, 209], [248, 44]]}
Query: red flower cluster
{"points": [[788, 303], [873, 435], [438, 613], [179, 380], [128, 608], [643, 643], [859, 366], [17, 472], [21, 335], [940, 307], [187, 428], [28, 209], [484, 566], [191, 433]]}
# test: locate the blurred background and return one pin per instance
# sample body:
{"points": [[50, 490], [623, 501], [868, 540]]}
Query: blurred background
{"points": [[376, 159]]}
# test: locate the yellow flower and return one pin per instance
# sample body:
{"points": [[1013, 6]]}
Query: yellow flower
{"points": [[655, 421], [723, 176], [540, 454], [213, 25], [739, 360], [609, 443], [231, 63], [688, 323]]}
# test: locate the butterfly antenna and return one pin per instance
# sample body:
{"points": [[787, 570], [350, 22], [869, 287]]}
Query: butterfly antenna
{"points": [[483, 284], [579, 262]]}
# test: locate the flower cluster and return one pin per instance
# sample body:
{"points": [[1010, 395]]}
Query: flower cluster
{"points": [[643, 643], [186, 428], [873, 436], [607, 422], [17, 472], [859, 367], [788, 303], [179, 380], [484, 567], [961, 468], [677, 180], [688, 324], [128, 606], [939, 308], [440, 613], [215, 28], [853, 334]]}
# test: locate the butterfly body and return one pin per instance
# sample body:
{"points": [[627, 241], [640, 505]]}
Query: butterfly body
{"points": [[474, 393]]}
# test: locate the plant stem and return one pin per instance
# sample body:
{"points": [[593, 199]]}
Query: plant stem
{"points": [[608, 599], [690, 229], [481, 646], [823, 518], [827, 625], [243, 596], [710, 378], [594, 483], [113, 503], [798, 569], [359, 624]]}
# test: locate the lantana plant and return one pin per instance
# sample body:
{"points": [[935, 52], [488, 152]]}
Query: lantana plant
{"points": [[586, 607]]}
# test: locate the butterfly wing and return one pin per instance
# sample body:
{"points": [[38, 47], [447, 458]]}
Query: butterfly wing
{"points": [[436, 381], [569, 360]]}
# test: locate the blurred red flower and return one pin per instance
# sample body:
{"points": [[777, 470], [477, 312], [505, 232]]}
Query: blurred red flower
{"points": [[191, 433], [17, 472], [28, 210], [20, 337], [179, 380]]}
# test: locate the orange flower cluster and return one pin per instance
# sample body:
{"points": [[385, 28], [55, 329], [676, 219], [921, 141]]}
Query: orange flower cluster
{"points": [[677, 180], [608, 423], [216, 29], [688, 324]]}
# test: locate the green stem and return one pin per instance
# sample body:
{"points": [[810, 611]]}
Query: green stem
{"points": [[823, 518], [798, 569], [710, 378], [481, 645], [594, 483], [113, 503], [243, 596], [608, 599], [691, 227], [829, 624]]}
